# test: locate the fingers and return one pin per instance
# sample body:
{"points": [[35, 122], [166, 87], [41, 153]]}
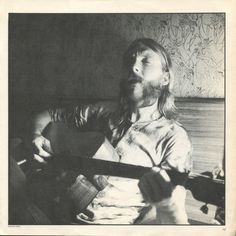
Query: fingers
{"points": [[47, 146], [42, 152], [39, 159], [145, 189], [42, 149], [164, 182], [151, 191], [155, 185], [162, 172]]}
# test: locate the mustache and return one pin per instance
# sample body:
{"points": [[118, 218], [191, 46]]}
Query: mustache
{"points": [[134, 79]]}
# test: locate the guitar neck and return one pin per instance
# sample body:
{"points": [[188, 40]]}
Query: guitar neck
{"points": [[203, 187], [112, 168]]}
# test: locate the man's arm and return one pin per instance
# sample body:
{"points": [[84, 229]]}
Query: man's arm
{"points": [[159, 189], [166, 198], [90, 117]]}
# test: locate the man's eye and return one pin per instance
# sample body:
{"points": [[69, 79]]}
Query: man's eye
{"points": [[146, 61]]}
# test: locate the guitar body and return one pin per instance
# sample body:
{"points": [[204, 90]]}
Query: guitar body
{"points": [[68, 142], [55, 193]]}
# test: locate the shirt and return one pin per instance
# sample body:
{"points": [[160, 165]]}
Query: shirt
{"points": [[158, 141]]}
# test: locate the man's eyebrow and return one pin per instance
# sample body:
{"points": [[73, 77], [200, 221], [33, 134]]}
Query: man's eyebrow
{"points": [[146, 53]]}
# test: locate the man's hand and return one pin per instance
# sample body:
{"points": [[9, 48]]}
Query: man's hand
{"points": [[155, 185], [169, 200], [42, 149]]}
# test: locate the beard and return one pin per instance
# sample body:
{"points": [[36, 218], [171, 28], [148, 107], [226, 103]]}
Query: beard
{"points": [[142, 93]]}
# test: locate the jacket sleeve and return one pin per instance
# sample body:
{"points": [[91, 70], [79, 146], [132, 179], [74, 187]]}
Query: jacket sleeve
{"points": [[87, 117]]}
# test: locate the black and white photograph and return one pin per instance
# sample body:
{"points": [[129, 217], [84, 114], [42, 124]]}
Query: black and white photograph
{"points": [[116, 119]]}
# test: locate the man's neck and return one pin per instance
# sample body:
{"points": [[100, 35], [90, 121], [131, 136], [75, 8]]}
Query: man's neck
{"points": [[147, 113]]}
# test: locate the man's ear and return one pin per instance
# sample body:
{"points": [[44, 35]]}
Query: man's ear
{"points": [[165, 79]]}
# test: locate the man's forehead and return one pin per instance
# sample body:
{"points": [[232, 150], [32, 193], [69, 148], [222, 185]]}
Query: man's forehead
{"points": [[146, 52], [142, 51]]}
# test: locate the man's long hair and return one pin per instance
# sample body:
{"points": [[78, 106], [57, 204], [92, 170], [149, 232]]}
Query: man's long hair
{"points": [[166, 105]]}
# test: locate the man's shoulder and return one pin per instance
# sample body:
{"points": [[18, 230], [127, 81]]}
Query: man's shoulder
{"points": [[179, 128], [175, 129], [179, 132]]}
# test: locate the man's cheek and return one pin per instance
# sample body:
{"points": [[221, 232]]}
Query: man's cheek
{"points": [[152, 89]]}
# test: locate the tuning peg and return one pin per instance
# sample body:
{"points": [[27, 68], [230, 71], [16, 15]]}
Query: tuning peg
{"points": [[204, 208]]}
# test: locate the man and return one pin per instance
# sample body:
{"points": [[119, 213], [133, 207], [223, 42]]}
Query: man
{"points": [[143, 132]]}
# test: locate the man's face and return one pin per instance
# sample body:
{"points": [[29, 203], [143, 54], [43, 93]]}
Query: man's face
{"points": [[145, 77]]}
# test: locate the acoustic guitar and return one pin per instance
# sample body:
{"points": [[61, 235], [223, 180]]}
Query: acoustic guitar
{"points": [[72, 151]]}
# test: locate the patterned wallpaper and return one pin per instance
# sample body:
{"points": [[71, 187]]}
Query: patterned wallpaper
{"points": [[196, 44], [194, 41], [79, 55]]}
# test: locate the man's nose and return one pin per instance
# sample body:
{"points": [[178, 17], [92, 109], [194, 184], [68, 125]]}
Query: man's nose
{"points": [[136, 68]]}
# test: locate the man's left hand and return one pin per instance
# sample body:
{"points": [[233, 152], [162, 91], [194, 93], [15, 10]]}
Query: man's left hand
{"points": [[155, 185]]}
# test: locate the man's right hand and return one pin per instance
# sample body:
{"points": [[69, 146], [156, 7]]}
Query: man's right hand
{"points": [[42, 149]]}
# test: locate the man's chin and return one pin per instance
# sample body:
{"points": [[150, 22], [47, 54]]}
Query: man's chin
{"points": [[135, 97], [139, 100], [139, 94]]}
